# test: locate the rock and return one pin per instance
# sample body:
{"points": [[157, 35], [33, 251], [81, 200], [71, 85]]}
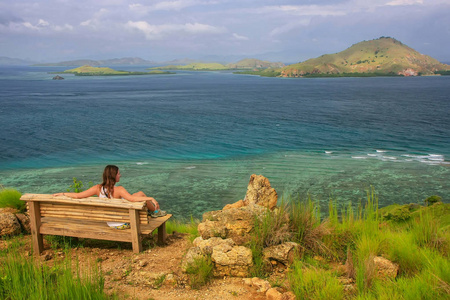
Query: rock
{"points": [[209, 229], [24, 220], [261, 284], [191, 255], [288, 296], [57, 77], [260, 192], [208, 246], [9, 225], [238, 204], [9, 209], [385, 268], [235, 262], [283, 253], [234, 223], [273, 294]]}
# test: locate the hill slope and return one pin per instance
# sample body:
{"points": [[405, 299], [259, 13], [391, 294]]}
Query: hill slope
{"points": [[104, 71], [383, 56], [245, 64]]}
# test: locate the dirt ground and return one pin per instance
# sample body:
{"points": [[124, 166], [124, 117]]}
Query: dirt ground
{"points": [[138, 276]]}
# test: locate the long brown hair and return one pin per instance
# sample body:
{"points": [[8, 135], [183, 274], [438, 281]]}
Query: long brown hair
{"points": [[109, 180]]}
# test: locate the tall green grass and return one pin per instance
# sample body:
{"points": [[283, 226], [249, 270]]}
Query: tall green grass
{"points": [[200, 271], [24, 278], [314, 283]]}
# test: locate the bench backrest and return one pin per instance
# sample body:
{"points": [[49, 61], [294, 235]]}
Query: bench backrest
{"points": [[92, 208]]}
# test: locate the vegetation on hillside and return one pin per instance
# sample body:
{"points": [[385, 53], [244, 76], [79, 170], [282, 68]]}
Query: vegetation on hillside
{"points": [[341, 248], [11, 198], [245, 64], [380, 57], [105, 71], [335, 259]]}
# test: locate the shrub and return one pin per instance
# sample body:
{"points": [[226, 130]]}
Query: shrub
{"points": [[77, 186], [11, 198], [398, 214], [432, 200]]}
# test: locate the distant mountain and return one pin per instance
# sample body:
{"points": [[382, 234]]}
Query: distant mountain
{"points": [[383, 56], [8, 61], [126, 61], [245, 64]]}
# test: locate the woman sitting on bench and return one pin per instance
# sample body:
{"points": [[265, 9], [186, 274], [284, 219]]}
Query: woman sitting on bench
{"points": [[107, 189]]}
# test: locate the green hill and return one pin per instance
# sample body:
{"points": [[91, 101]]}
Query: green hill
{"points": [[252, 63], [194, 67], [105, 71], [383, 56], [245, 64]]}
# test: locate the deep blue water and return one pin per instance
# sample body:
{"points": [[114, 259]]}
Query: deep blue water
{"points": [[322, 136]]}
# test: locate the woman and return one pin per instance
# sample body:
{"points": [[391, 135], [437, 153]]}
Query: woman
{"points": [[107, 189]]}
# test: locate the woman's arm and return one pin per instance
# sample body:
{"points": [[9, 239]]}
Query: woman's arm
{"points": [[87, 193], [123, 193]]}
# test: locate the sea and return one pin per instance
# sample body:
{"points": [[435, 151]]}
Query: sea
{"points": [[192, 139]]}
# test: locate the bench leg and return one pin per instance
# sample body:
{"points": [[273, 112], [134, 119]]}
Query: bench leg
{"points": [[135, 231], [162, 234], [35, 224]]}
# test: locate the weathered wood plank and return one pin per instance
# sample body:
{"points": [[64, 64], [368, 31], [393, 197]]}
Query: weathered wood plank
{"points": [[35, 224], [153, 224], [135, 231], [87, 229], [121, 203]]}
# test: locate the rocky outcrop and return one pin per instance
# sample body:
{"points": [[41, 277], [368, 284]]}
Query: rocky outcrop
{"points": [[9, 225], [12, 222], [235, 223], [283, 253], [224, 233], [57, 77], [385, 268], [260, 192], [229, 259]]}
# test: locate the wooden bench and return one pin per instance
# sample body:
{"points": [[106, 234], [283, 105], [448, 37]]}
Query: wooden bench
{"points": [[87, 217]]}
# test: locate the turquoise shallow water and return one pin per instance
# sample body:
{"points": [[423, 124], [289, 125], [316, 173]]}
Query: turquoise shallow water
{"points": [[192, 140], [191, 187]]}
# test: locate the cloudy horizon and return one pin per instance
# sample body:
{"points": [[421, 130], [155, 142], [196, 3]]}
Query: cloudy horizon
{"points": [[288, 31]]}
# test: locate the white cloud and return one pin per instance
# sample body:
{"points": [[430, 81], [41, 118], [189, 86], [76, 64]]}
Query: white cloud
{"points": [[176, 5], [240, 37], [304, 10], [155, 32], [404, 2], [42, 26], [289, 27]]}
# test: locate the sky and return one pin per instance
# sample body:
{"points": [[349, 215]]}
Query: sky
{"points": [[289, 31]]}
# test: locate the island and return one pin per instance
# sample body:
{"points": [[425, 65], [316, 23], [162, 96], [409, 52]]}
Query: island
{"points": [[105, 71], [244, 64], [384, 56]]}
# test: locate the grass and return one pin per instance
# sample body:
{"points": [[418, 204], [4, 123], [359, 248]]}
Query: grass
{"points": [[22, 277], [200, 272], [314, 283], [414, 237]]}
